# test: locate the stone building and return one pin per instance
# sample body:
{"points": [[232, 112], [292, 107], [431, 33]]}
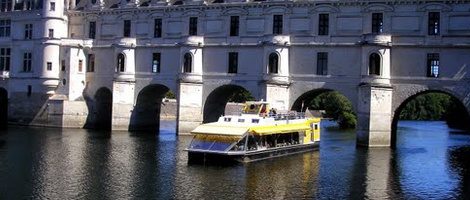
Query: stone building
{"points": [[107, 63]]}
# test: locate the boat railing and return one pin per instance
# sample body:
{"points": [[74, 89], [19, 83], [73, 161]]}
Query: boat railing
{"points": [[289, 115]]}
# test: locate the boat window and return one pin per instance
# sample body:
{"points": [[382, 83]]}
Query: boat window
{"points": [[251, 143], [255, 121], [227, 119], [213, 142], [240, 146], [316, 126], [241, 120]]}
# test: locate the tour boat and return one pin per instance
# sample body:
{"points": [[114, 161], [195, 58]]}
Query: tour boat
{"points": [[259, 132]]}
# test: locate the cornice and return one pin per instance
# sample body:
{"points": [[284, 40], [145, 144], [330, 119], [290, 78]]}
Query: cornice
{"points": [[266, 5]]}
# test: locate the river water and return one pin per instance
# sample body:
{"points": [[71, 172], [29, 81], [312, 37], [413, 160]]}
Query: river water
{"points": [[430, 162]]}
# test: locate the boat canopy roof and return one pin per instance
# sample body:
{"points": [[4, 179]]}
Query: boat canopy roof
{"points": [[218, 129], [282, 128]]}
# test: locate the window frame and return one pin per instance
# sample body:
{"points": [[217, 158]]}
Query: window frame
{"points": [[90, 67], [277, 24], [273, 63], [323, 24], [322, 63], [232, 62], [234, 26], [434, 23], [433, 64], [375, 64], [157, 28], [127, 25], [377, 23], [49, 66], [28, 31], [192, 26], [92, 29], [121, 63], [27, 61], [5, 27], [156, 62], [5, 59]]}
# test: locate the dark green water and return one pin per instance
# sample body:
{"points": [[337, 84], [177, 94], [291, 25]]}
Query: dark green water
{"points": [[430, 162]]}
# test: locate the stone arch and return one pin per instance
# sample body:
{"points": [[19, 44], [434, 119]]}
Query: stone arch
{"points": [[100, 110], [307, 96], [3, 108], [121, 62], [273, 63], [375, 64], [217, 100], [188, 63], [463, 115], [147, 110]]}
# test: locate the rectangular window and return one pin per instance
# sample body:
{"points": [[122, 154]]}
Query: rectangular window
{"points": [[156, 62], [62, 67], [232, 62], [6, 5], [193, 26], [377, 22], [27, 62], [5, 54], [277, 24], [322, 63], [234, 25], [5, 27], [127, 28], [52, 8], [90, 67], [434, 19], [51, 33], [433, 65], [80, 65], [92, 30], [28, 31], [323, 24], [49, 66], [157, 29]]}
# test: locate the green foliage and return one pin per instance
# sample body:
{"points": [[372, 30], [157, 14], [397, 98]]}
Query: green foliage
{"points": [[430, 106], [337, 107], [241, 96], [436, 106], [169, 95]]}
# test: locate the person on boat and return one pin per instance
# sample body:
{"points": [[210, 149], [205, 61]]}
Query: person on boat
{"points": [[272, 112]]}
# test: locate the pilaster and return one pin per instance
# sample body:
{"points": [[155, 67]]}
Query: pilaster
{"points": [[190, 106], [123, 103], [374, 115]]}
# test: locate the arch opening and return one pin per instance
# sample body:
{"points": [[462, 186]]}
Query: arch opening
{"points": [[431, 105], [100, 110], [188, 63], [3, 108], [273, 64], [374, 64], [121, 63], [153, 102], [327, 103], [217, 101]]}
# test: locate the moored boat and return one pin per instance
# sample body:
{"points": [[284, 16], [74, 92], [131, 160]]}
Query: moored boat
{"points": [[259, 132]]}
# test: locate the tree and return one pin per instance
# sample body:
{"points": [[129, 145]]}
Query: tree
{"points": [[241, 96], [337, 107]]}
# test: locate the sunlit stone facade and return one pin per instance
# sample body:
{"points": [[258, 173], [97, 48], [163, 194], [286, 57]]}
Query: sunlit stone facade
{"points": [[107, 64]]}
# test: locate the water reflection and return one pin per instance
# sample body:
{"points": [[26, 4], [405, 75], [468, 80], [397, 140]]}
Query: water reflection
{"points": [[429, 162]]}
